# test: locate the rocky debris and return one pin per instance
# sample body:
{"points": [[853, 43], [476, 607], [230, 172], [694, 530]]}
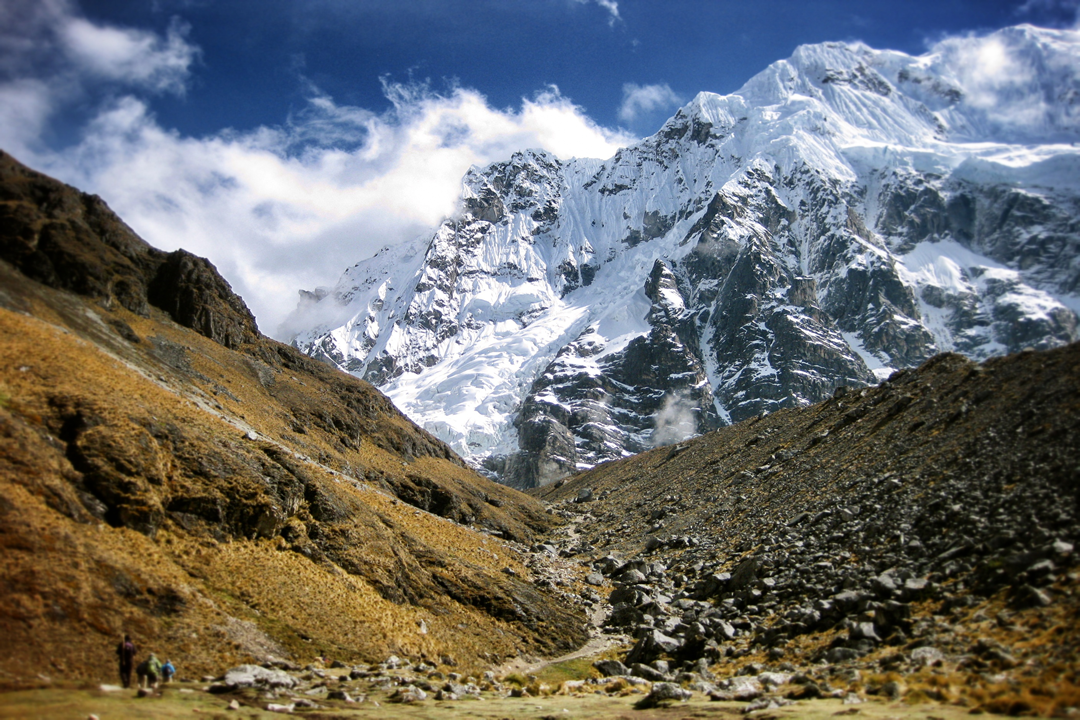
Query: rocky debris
{"points": [[325, 685], [611, 668], [953, 510], [257, 676]]}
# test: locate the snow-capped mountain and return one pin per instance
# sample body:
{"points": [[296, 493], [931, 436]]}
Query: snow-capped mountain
{"points": [[846, 213]]}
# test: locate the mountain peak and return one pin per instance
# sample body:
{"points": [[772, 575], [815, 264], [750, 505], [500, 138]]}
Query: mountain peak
{"points": [[832, 221]]}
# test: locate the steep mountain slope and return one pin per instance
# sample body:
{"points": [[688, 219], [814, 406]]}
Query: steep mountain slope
{"points": [[926, 527], [167, 471], [847, 212]]}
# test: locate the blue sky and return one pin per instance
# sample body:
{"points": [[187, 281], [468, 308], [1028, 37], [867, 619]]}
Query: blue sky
{"points": [[260, 60], [288, 139]]}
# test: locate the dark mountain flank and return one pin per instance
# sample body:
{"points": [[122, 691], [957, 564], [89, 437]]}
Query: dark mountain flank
{"points": [[167, 471]]}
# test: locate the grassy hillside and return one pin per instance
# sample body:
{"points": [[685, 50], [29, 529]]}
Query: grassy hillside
{"points": [[166, 471]]}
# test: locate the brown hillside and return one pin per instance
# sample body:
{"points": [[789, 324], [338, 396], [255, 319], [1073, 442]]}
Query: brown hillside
{"points": [[167, 471]]}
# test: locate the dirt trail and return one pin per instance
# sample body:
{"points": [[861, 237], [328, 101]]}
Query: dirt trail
{"points": [[565, 537]]}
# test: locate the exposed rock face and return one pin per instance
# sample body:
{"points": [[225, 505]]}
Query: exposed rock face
{"points": [[196, 296], [67, 239], [848, 212]]}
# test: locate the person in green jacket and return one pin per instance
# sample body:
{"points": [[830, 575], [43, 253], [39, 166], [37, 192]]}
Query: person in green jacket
{"points": [[149, 671]]}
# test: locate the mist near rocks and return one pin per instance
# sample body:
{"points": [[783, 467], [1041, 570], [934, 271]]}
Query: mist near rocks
{"points": [[676, 421]]}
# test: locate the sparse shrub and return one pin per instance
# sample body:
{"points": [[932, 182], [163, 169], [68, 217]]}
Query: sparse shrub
{"points": [[515, 679], [617, 686]]}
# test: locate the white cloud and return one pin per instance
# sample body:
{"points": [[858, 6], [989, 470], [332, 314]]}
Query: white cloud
{"points": [[1050, 13], [130, 56], [639, 100], [675, 420], [25, 107], [610, 5], [52, 58], [279, 209]]}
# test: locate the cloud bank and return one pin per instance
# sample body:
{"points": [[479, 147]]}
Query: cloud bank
{"points": [[275, 209], [999, 79]]}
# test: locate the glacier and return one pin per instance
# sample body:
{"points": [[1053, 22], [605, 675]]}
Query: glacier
{"points": [[848, 212]]}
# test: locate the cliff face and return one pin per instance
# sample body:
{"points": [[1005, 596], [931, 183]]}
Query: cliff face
{"points": [[167, 471], [847, 213], [70, 240]]}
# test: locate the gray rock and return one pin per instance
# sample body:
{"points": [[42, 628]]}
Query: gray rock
{"points": [[1027, 596], [647, 672], [278, 707], [609, 668], [926, 656], [408, 694], [663, 692], [725, 629], [739, 689], [841, 654], [884, 585], [766, 703], [773, 679], [652, 643], [255, 676], [864, 631], [744, 575]]}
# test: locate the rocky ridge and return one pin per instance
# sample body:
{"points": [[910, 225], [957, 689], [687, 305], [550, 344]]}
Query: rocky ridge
{"points": [[848, 212]]}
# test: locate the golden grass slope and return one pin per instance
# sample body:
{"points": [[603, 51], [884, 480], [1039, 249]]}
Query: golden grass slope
{"points": [[223, 507]]}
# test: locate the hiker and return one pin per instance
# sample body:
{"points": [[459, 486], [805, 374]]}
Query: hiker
{"points": [[167, 670], [125, 653], [149, 670]]}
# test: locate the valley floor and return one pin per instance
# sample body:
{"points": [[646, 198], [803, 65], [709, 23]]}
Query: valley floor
{"points": [[187, 700]]}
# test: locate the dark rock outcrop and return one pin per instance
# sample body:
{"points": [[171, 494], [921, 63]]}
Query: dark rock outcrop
{"points": [[70, 240]]}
